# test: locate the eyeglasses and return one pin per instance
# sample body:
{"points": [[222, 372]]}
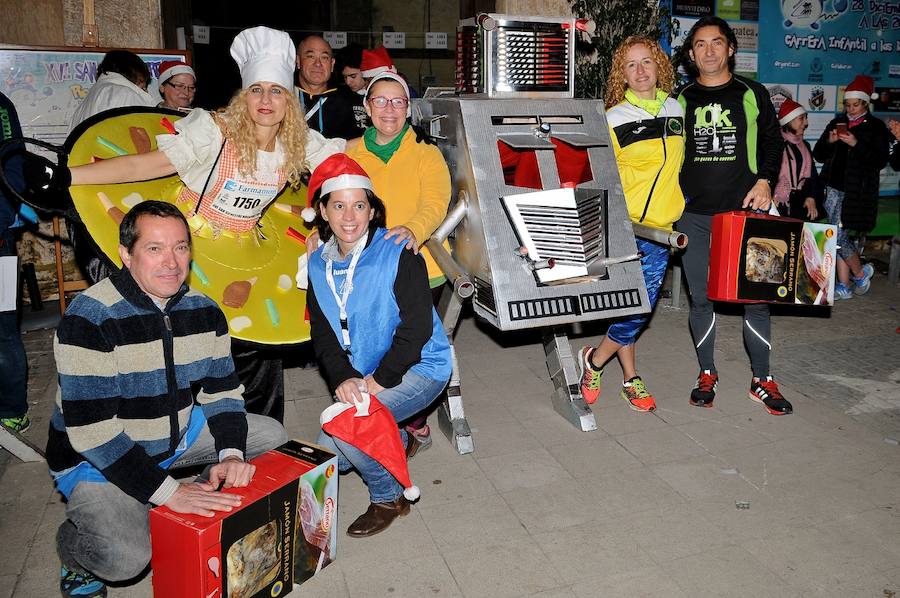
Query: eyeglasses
{"points": [[182, 87], [382, 102]]}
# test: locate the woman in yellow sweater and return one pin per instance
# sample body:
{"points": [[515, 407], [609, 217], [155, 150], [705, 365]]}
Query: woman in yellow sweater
{"points": [[409, 173]]}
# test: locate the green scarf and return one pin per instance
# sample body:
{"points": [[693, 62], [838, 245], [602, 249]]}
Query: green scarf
{"points": [[650, 106], [384, 152]]}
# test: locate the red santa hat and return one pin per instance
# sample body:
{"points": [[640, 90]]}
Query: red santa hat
{"points": [[862, 88], [371, 428], [338, 171], [376, 61], [170, 68], [789, 111]]}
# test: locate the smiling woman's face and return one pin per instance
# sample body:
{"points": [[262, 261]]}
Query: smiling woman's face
{"points": [[267, 103], [387, 120]]}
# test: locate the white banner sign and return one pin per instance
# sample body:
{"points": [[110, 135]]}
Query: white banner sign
{"points": [[335, 39], [436, 40], [201, 34], [393, 40]]}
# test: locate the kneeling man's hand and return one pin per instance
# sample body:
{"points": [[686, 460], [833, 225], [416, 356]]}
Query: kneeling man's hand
{"points": [[233, 471], [201, 498]]}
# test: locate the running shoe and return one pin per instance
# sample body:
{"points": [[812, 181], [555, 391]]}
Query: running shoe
{"points": [[704, 392], [765, 391], [590, 376], [74, 584], [16, 424], [637, 396], [861, 285], [842, 291]]}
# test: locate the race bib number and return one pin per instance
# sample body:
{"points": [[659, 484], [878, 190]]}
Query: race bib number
{"points": [[244, 199]]}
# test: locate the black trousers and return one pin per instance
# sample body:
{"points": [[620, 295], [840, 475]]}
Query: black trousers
{"points": [[261, 370]]}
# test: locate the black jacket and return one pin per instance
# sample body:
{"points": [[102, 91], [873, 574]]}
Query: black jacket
{"points": [[855, 170], [338, 112]]}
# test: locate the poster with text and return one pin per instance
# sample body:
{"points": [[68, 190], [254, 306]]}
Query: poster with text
{"points": [[47, 86], [829, 41]]}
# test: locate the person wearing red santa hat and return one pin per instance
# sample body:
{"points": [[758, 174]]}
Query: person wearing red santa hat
{"points": [[177, 85], [798, 192], [373, 327], [374, 62], [854, 149]]}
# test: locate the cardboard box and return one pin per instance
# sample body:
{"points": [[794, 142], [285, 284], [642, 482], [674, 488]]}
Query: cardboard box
{"points": [[283, 533], [760, 258]]}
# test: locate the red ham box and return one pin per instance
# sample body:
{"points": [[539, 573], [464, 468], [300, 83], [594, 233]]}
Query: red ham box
{"points": [[283, 533], [761, 258]]}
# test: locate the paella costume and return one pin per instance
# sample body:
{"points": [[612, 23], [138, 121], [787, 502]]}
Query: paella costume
{"points": [[246, 244]]}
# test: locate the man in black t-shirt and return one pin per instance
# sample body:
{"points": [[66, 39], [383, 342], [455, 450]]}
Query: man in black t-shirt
{"points": [[331, 111], [733, 149]]}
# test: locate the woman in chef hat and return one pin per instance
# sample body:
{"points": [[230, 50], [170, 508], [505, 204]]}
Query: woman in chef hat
{"points": [[233, 164]]}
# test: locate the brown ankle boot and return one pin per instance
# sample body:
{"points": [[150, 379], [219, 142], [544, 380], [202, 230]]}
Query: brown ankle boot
{"points": [[378, 517], [412, 445]]}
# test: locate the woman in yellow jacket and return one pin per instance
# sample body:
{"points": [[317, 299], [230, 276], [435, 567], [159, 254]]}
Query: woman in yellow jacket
{"points": [[646, 126], [409, 173]]}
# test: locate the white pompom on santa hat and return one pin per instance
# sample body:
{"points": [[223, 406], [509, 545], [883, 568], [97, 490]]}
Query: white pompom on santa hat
{"points": [[861, 88], [338, 171], [789, 111], [371, 428]]}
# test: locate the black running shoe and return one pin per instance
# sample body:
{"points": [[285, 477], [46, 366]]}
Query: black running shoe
{"points": [[765, 391], [704, 392]]}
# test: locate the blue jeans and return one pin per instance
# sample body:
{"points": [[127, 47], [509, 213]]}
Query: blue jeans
{"points": [[107, 532], [412, 395]]}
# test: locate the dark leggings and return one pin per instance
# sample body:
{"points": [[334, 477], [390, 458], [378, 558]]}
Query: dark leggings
{"points": [[757, 327]]}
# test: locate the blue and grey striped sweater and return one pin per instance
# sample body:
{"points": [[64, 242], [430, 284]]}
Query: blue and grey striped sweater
{"points": [[130, 375]]}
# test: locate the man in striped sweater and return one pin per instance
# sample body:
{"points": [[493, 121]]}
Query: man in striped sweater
{"points": [[146, 382]]}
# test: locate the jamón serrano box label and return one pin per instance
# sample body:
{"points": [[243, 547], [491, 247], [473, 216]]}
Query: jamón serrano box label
{"points": [[761, 258], [282, 534]]}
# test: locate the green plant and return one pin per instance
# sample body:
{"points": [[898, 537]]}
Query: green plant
{"points": [[615, 20]]}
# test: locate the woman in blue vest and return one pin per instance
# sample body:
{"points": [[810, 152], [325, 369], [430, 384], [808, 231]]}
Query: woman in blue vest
{"points": [[372, 324]]}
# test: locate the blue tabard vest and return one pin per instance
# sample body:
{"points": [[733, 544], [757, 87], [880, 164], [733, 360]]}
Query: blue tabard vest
{"points": [[372, 311]]}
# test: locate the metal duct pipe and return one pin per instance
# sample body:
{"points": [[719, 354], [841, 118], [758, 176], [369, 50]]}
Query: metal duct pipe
{"points": [[454, 217], [660, 235], [462, 284]]}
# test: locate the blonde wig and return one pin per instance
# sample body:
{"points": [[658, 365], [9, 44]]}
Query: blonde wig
{"points": [[616, 84], [292, 132]]}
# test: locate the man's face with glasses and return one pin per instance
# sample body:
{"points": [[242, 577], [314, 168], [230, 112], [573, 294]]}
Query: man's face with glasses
{"points": [[178, 91]]}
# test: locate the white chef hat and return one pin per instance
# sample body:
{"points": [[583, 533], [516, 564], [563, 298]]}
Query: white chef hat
{"points": [[264, 54]]}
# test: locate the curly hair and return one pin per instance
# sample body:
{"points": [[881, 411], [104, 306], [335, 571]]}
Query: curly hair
{"points": [[292, 132], [616, 84]]}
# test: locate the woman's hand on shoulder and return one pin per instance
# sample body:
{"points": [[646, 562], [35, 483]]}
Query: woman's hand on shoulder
{"points": [[350, 390], [312, 242], [404, 235]]}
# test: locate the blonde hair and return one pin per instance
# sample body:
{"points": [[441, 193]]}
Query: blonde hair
{"points": [[292, 132], [616, 84]]}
